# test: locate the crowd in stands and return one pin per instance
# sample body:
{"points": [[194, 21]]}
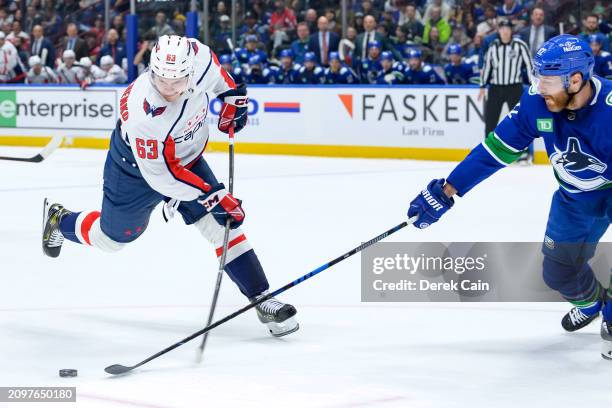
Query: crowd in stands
{"points": [[292, 41]]}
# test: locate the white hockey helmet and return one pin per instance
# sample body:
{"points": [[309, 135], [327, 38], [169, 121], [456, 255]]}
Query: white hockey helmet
{"points": [[68, 54], [107, 61], [172, 60], [85, 62], [172, 57], [34, 60]]}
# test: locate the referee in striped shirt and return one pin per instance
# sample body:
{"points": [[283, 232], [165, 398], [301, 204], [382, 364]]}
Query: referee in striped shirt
{"points": [[503, 67]]}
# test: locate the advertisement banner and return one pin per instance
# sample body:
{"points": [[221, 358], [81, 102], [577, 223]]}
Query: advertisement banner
{"points": [[56, 108]]}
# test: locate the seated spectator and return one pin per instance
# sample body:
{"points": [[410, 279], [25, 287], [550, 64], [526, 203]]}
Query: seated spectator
{"points": [[98, 30], [236, 72], [459, 72], [323, 42], [17, 32], [419, 73], [33, 18], [161, 26], [368, 68], [39, 73], [603, 59], [282, 24], [222, 33], [434, 47], [339, 73], [113, 74], [591, 26], [143, 56], [441, 24], [67, 71], [408, 14], [391, 72], [333, 25], [311, 20], [289, 69], [11, 69], [42, 47], [310, 72], [113, 47], [512, 10], [302, 45], [489, 25], [74, 43], [411, 24], [258, 73], [252, 26], [444, 7]]}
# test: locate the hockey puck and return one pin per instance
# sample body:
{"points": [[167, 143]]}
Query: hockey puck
{"points": [[68, 372]]}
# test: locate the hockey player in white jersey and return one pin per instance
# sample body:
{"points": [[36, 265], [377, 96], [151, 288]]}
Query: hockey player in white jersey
{"points": [[39, 73], [11, 69], [156, 155], [67, 70], [112, 73], [88, 73]]}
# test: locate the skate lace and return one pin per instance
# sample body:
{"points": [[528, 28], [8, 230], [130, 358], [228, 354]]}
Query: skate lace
{"points": [[271, 306], [56, 239], [576, 316]]}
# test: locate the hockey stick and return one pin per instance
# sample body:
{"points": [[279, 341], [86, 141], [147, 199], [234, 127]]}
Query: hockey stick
{"points": [[53, 144], [116, 369], [213, 305]]}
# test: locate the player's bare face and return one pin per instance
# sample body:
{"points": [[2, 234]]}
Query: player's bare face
{"points": [[170, 89]]}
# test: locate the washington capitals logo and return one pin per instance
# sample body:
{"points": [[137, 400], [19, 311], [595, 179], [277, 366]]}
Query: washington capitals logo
{"points": [[148, 108], [574, 159]]}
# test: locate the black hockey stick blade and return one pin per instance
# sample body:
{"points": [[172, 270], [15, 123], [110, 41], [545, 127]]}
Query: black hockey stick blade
{"points": [[117, 369], [55, 142]]}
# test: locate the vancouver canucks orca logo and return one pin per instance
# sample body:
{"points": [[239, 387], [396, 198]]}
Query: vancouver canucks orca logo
{"points": [[573, 166], [148, 108]]}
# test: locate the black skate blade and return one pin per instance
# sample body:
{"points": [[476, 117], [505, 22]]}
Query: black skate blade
{"points": [[117, 369]]}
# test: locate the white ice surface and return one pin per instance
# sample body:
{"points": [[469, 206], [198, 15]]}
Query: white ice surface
{"points": [[87, 309]]}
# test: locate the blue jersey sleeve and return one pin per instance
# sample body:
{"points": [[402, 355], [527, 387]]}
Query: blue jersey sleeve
{"points": [[501, 147]]}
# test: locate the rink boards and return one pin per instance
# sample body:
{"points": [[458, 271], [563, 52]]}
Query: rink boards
{"points": [[425, 122]]}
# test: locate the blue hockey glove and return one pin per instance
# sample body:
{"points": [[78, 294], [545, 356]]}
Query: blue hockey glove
{"points": [[222, 205], [234, 109], [430, 204]]}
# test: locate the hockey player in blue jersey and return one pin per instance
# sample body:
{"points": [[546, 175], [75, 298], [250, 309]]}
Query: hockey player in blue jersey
{"points": [[369, 67], [310, 72], [418, 72], [288, 69], [236, 72], [603, 59], [391, 72], [243, 55], [570, 109], [457, 71], [337, 72], [258, 73]]}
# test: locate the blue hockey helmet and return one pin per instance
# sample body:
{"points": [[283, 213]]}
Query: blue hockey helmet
{"points": [[334, 56], [374, 44], [225, 59], [310, 57], [250, 38], [255, 60], [454, 49], [597, 38], [563, 56], [386, 55], [414, 53], [286, 53]]}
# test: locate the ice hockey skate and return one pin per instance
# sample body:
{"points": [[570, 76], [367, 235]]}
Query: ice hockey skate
{"points": [[52, 239], [278, 316]]}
